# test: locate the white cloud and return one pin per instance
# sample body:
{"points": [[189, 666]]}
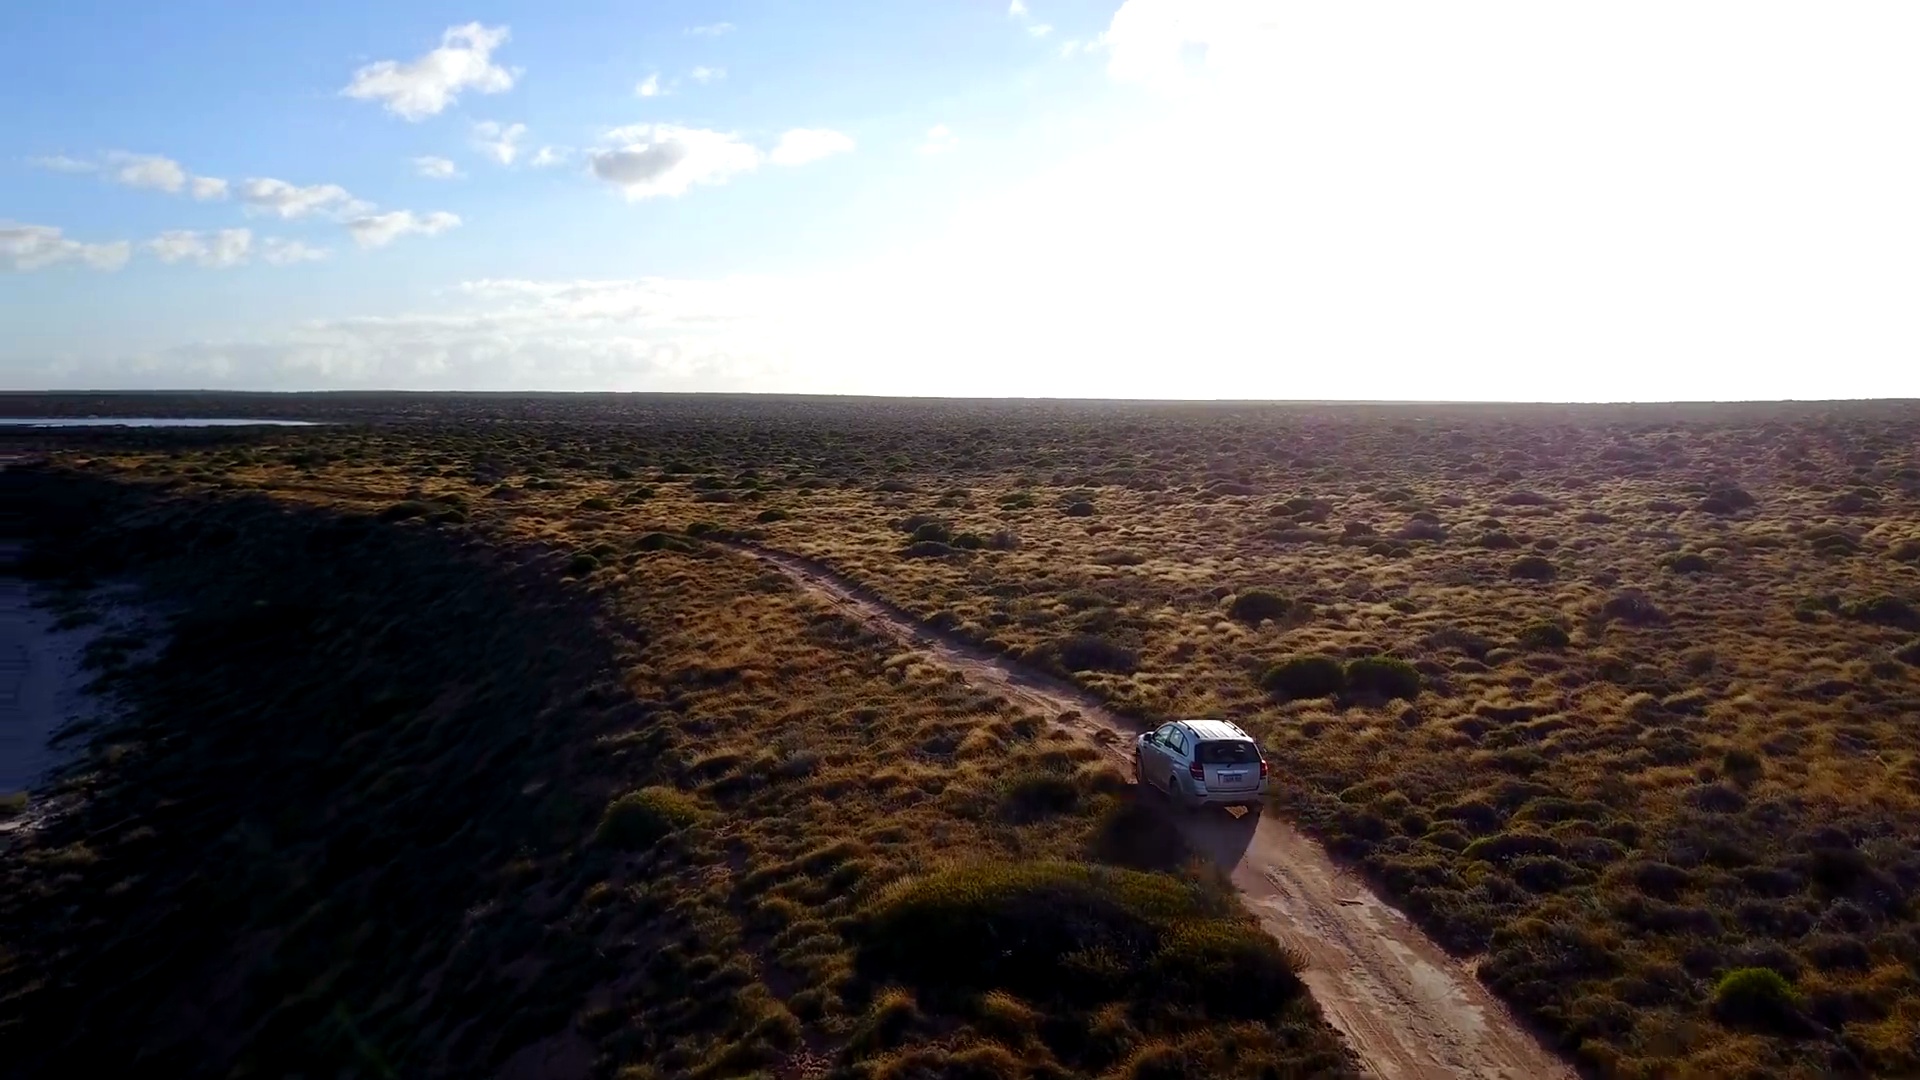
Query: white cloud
{"points": [[704, 75], [710, 30], [150, 171], [435, 168], [1018, 10], [802, 145], [662, 159], [417, 89], [215, 250], [549, 156], [147, 171], [282, 252], [379, 230], [30, 247], [649, 87], [501, 142], [63, 163], [265, 195], [940, 140]]}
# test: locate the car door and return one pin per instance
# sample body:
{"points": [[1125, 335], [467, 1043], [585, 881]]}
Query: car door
{"points": [[1174, 757], [1153, 755]]}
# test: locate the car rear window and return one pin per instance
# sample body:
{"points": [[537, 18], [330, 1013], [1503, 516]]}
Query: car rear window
{"points": [[1227, 752]]}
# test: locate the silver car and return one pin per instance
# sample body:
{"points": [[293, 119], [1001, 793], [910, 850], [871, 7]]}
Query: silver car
{"points": [[1202, 763]]}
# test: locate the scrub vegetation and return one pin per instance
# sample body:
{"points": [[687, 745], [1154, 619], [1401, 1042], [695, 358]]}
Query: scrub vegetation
{"points": [[1616, 701]]}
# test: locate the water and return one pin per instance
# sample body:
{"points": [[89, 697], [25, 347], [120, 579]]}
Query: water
{"points": [[142, 421]]}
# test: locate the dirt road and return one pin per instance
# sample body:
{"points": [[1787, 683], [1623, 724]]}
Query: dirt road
{"points": [[1408, 1009]]}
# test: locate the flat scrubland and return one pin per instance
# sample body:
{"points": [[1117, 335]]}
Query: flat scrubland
{"points": [[1621, 703], [405, 793]]}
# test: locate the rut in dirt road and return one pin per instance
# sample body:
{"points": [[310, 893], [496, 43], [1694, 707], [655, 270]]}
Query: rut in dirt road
{"points": [[1409, 1011]]}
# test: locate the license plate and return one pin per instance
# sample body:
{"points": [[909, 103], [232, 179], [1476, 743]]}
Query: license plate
{"points": [[1232, 777]]}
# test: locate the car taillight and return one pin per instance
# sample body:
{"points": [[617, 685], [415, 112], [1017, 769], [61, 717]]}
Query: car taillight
{"points": [[1263, 768], [1197, 771]]}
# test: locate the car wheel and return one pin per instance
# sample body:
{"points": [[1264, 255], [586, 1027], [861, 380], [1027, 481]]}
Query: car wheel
{"points": [[1139, 773], [1175, 795]]}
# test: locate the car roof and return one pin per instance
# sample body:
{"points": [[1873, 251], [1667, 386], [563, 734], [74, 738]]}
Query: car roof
{"points": [[1214, 729]]}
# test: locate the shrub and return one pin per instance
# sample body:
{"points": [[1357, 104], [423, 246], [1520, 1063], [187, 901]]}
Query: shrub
{"points": [[595, 503], [936, 531], [771, 515], [1020, 927], [1756, 997], [1255, 606], [1086, 652], [659, 541], [1907, 551], [1497, 541], [1726, 500], [640, 819], [1305, 677], [402, 511], [1003, 540], [1545, 635], [1532, 568], [1228, 969], [1079, 509], [1690, 562], [1884, 611], [1033, 794], [930, 549], [1422, 530], [1634, 607], [1508, 846], [582, 564], [1383, 676], [1909, 653], [967, 541]]}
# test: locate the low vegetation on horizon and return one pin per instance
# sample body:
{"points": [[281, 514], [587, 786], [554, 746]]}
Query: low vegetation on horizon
{"points": [[1618, 702]]}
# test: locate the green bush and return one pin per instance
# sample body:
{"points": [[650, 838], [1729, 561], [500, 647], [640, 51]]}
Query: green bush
{"points": [[401, 511], [1079, 509], [1255, 606], [771, 515], [1755, 997], [935, 531], [1305, 677], [640, 819], [595, 503], [1545, 635], [582, 564], [1690, 562], [1383, 676], [1121, 933]]}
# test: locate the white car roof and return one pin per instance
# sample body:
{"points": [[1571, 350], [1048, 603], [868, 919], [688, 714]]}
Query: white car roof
{"points": [[1214, 729]]}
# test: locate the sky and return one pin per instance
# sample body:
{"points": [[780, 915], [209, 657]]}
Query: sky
{"points": [[1500, 200]]}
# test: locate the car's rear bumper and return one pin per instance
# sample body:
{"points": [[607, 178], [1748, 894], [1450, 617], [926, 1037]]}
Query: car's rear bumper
{"points": [[1239, 797]]}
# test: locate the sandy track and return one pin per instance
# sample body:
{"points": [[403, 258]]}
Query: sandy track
{"points": [[1409, 1011]]}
